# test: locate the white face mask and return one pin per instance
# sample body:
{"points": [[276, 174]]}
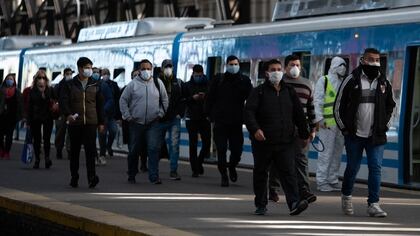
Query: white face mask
{"points": [[87, 73], [233, 69], [145, 74], [67, 77], [167, 71], [341, 70], [294, 72], [275, 77], [374, 64]]}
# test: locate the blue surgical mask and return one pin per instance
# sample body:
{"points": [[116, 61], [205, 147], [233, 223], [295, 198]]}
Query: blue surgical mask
{"points": [[9, 83], [233, 69], [96, 76]]}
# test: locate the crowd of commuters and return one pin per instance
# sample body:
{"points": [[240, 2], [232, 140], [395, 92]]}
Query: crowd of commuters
{"points": [[283, 115]]}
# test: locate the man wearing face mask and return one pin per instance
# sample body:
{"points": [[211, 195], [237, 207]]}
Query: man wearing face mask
{"points": [[60, 123], [143, 103], [81, 102], [271, 113], [171, 122], [111, 93], [362, 110], [225, 104], [328, 163], [196, 121], [304, 89]]}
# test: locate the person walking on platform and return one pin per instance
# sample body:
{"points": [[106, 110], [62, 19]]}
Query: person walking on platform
{"points": [[10, 113], [362, 110], [224, 104], [143, 103], [61, 134], [271, 113], [171, 122], [40, 118], [111, 110], [304, 90], [329, 160], [196, 121], [82, 104]]}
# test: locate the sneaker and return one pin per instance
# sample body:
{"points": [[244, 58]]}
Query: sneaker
{"points": [[308, 196], [260, 211], [225, 181], [273, 196], [347, 205], [325, 188], [336, 187], [157, 181], [102, 160], [201, 170], [374, 210], [232, 174], [131, 180], [299, 207], [174, 175], [93, 181]]}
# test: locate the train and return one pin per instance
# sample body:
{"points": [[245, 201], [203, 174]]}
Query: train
{"points": [[394, 32]]}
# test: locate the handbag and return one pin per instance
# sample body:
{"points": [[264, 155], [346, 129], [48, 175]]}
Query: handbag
{"points": [[28, 149]]}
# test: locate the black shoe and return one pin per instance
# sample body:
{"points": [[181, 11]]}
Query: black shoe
{"points": [[310, 197], [48, 163], [74, 182], [225, 181], [93, 181], [110, 152], [260, 211], [143, 169], [201, 170], [131, 180], [174, 175], [232, 174], [59, 155], [36, 165], [157, 181], [194, 175], [273, 196], [299, 207]]}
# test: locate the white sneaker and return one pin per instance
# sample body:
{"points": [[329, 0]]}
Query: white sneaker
{"points": [[347, 205], [325, 188], [374, 210], [336, 187], [102, 160]]}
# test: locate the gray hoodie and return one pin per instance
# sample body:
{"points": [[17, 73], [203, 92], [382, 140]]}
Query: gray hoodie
{"points": [[140, 101]]}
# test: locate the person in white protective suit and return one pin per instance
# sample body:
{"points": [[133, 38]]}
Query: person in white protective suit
{"points": [[329, 160]]}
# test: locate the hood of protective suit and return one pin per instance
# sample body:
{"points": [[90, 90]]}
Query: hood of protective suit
{"points": [[335, 63]]}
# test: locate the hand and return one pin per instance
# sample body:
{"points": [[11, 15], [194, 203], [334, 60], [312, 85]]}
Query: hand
{"points": [[312, 136], [196, 97], [70, 118], [259, 135], [101, 128]]}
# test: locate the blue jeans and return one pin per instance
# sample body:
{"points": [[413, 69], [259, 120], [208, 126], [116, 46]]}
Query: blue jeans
{"points": [[173, 128], [150, 135], [354, 149], [110, 131]]}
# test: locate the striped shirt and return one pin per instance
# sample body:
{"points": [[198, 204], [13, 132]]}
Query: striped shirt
{"points": [[304, 89]]}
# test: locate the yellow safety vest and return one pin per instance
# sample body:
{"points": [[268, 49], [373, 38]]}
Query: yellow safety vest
{"points": [[329, 99]]}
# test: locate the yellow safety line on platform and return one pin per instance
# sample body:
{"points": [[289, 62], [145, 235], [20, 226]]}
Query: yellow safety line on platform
{"points": [[78, 217]]}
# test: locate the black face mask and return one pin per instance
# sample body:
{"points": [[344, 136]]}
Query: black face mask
{"points": [[371, 71]]}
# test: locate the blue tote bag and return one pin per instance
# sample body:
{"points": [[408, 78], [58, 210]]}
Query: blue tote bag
{"points": [[28, 148]]}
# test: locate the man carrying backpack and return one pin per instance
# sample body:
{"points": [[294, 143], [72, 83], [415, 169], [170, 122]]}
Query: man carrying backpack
{"points": [[143, 103]]}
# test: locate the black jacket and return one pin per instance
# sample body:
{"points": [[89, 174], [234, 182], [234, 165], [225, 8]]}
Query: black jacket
{"points": [[12, 108], [87, 103], [226, 98], [195, 108], [348, 100], [275, 113], [39, 107], [174, 88]]}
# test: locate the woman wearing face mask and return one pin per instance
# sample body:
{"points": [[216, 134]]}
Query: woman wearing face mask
{"points": [[10, 114], [328, 163], [271, 113], [40, 117]]}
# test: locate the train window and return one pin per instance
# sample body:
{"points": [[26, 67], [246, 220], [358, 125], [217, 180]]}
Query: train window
{"points": [[136, 65], [156, 72], [305, 60], [245, 67], [55, 74], [214, 66], [328, 64]]}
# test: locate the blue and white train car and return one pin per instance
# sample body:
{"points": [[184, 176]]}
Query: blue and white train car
{"points": [[396, 33]]}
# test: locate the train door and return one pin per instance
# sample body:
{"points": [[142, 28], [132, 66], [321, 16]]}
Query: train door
{"points": [[412, 116]]}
